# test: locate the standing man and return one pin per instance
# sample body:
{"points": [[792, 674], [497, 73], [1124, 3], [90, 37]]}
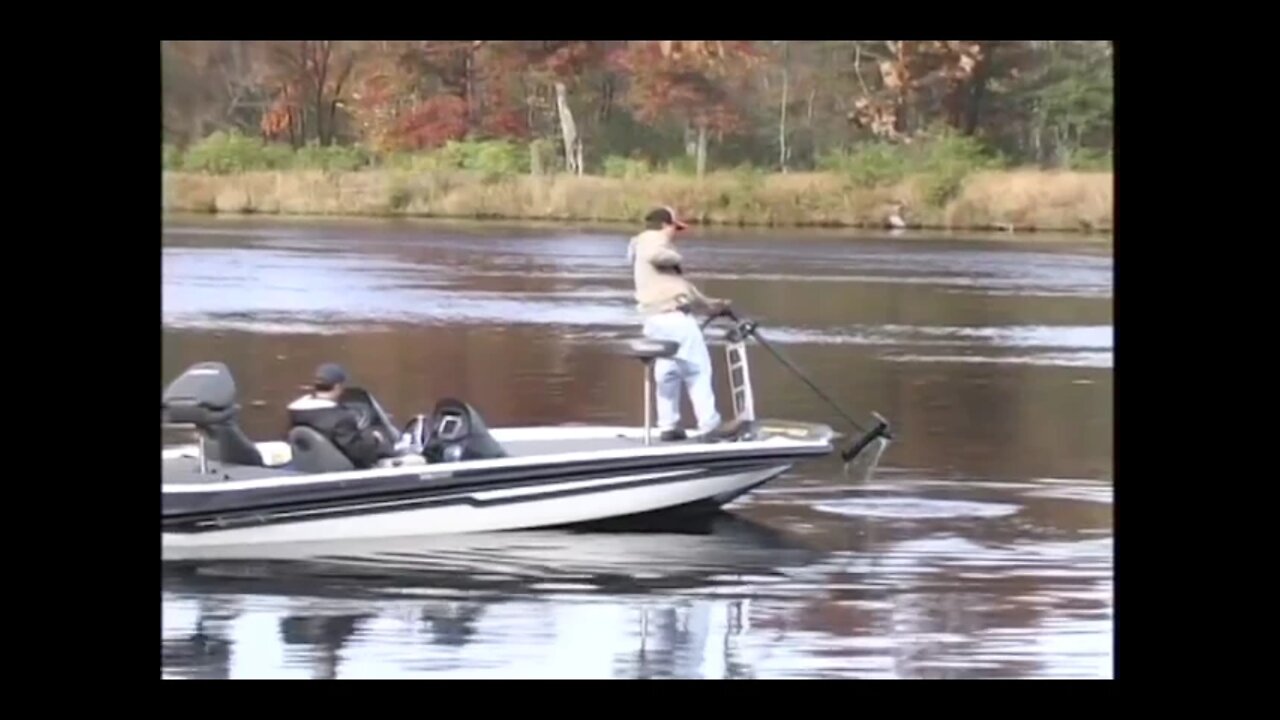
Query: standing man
{"points": [[667, 300]]}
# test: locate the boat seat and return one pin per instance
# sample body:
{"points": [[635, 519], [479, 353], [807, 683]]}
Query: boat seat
{"points": [[205, 396], [648, 350], [315, 453]]}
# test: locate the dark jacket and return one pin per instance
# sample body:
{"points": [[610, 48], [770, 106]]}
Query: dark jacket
{"points": [[343, 426]]}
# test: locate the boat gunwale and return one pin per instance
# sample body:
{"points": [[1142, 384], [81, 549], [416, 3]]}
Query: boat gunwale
{"points": [[784, 447], [415, 482]]}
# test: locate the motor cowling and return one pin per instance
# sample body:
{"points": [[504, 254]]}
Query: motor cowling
{"points": [[204, 395]]}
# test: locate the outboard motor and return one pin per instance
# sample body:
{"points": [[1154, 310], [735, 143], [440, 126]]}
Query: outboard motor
{"points": [[458, 433], [205, 396]]}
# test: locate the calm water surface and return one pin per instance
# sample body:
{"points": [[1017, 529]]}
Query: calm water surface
{"points": [[982, 548]]}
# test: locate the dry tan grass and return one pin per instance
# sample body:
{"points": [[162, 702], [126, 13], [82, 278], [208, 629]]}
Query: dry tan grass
{"points": [[1022, 199], [1034, 199]]}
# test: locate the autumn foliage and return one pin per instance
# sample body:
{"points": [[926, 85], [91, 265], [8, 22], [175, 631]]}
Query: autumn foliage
{"points": [[704, 82], [912, 72], [432, 123], [771, 104]]}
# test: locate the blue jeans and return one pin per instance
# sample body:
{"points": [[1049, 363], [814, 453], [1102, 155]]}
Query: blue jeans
{"points": [[691, 367]]}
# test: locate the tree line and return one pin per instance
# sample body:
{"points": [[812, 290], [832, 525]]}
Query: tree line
{"points": [[581, 105]]}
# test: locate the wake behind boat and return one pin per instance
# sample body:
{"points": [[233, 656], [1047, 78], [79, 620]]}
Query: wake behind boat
{"points": [[458, 475]]}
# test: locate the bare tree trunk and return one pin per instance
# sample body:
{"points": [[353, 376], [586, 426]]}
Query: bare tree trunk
{"points": [[702, 150], [337, 97], [1059, 156], [301, 69], [978, 89], [468, 87], [568, 130], [528, 104], [857, 68], [606, 98], [782, 122], [577, 149], [322, 67], [535, 159]]}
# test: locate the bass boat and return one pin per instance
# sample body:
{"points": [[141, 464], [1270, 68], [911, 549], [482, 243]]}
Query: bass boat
{"points": [[454, 474]]}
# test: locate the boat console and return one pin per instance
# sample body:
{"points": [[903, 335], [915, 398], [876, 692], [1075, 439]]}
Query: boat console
{"points": [[457, 432], [371, 413]]}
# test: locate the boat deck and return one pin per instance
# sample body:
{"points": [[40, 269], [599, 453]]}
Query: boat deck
{"points": [[184, 470]]}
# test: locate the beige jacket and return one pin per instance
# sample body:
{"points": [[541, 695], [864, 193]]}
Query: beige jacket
{"points": [[660, 286]]}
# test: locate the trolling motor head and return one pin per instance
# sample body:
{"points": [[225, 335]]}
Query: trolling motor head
{"points": [[880, 430], [864, 454]]}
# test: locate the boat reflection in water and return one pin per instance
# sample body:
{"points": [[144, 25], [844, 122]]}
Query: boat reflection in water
{"points": [[647, 599]]}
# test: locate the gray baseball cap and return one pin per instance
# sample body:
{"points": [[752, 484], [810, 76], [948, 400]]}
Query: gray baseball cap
{"points": [[330, 374]]}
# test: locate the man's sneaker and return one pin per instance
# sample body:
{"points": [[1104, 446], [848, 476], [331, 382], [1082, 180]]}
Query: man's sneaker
{"points": [[725, 431], [672, 435]]}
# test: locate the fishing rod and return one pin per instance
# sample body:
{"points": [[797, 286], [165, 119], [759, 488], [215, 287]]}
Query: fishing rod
{"points": [[881, 429]]}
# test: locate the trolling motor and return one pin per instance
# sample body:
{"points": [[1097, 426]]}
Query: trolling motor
{"points": [[743, 329]]}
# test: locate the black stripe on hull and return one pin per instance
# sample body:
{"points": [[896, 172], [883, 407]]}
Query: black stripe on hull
{"points": [[653, 520], [180, 508], [430, 498]]}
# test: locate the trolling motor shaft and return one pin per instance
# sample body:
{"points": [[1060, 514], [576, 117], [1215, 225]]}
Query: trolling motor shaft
{"points": [[743, 329]]}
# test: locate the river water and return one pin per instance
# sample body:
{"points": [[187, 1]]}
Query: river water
{"points": [[981, 547]]}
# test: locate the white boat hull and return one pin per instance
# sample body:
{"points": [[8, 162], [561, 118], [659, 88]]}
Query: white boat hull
{"points": [[544, 505]]}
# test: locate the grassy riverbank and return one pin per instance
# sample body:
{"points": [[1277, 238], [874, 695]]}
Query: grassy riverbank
{"points": [[994, 199]]}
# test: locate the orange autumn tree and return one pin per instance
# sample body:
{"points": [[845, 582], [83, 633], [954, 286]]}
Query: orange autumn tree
{"points": [[465, 83], [413, 95], [382, 95], [915, 80], [424, 94], [496, 103], [702, 82], [311, 81]]}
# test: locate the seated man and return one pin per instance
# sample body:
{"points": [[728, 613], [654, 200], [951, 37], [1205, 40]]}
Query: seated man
{"points": [[350, 427]]}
